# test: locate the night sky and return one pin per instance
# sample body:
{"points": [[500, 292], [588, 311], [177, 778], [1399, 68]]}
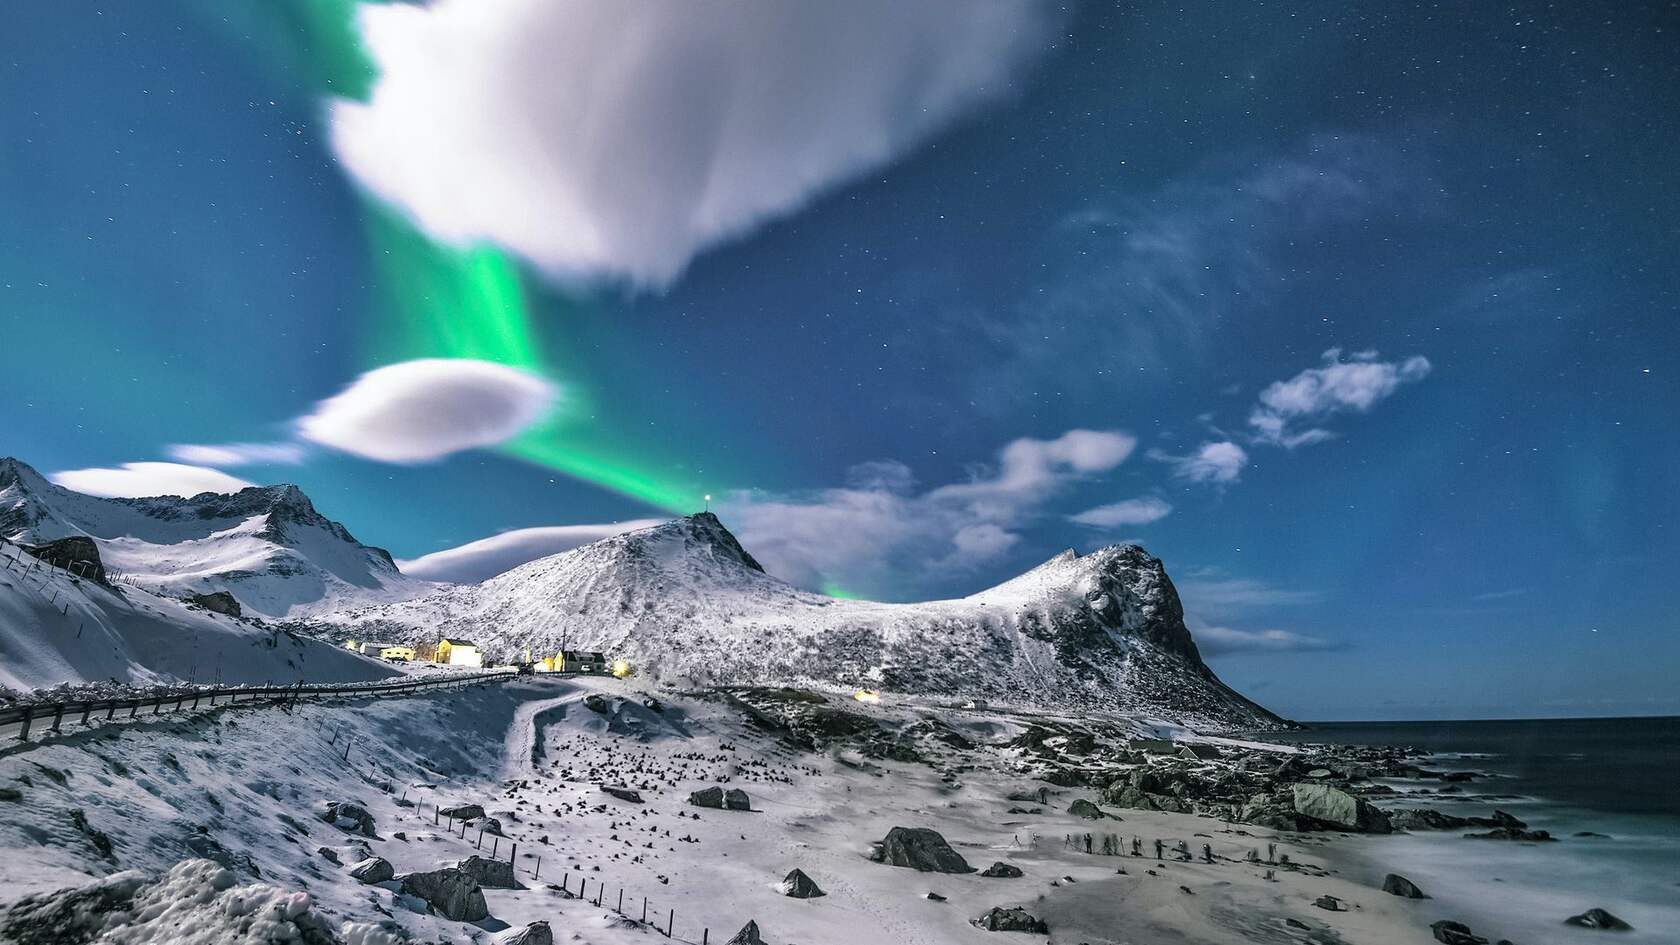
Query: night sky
{"points": [[1371, 310]]}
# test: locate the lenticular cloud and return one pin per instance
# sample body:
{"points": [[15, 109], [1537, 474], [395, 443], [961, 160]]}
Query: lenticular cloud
{"points": [[618, 140], [417, 411]]}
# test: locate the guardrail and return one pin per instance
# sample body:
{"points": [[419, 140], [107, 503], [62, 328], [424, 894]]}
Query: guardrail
{"points": [[50, 717]]}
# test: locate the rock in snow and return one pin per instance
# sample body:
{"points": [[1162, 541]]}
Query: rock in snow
{"points": [[1396, 885], [999, 919], [747, 936], [796, 885], [920, 848], [536, 933], [374, 869], [1002, 870], [450, 892], [1598, 919]]}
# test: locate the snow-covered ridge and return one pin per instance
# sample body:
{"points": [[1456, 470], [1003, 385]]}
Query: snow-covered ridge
{"points": [[1103, 630], [267, 546]]}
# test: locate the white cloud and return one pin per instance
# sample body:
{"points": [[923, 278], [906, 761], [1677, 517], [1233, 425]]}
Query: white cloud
{"points": [[1140, 511], [416, 411], [484, 559], [1218, 641], [1210, 595], [239, 454], [135, 480], [1221, 463], [1353, 385], [876, 530], [621, 139]]}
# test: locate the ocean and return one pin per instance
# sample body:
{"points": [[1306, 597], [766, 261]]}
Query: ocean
{"points": [[1619, 778]]}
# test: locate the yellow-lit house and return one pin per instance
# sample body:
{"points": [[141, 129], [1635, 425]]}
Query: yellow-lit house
{"points": [[389, 651], [458, 653]]}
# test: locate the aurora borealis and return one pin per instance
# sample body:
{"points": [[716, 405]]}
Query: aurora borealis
{"points": [[1383, 369]]}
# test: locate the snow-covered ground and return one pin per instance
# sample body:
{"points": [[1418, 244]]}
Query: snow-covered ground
{"points": [[59, 629], [246, 787]]}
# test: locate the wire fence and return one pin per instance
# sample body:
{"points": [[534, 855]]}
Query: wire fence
{"points": [[49, 717]]}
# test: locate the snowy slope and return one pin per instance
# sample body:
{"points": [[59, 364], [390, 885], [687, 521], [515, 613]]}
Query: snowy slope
{"points": [[683, 599], [266, 546], [58, 629]]}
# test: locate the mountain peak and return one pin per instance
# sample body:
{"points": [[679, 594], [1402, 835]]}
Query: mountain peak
{"points": [[707, 530]]}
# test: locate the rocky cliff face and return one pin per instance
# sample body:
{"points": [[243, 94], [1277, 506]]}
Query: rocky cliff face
{"points": [[1098, 631]]}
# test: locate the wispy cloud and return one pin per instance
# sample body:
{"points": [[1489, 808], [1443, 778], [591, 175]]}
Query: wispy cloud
{"points": [[1220, 463], [1290, 411], [1140, 511], [1222, 598], [1221, 641], [240, 454]]}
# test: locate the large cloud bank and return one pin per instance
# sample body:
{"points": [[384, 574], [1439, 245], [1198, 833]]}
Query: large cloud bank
{"points": [[620, 139]]}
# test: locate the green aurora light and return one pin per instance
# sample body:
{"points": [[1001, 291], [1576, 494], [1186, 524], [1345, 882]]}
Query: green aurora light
{"points": [[436, 301]]}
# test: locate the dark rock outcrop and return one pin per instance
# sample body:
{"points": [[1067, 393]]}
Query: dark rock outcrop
{"points": [[1448, 932], [1086, 809], [796, 885], [489, 874], [1598, 919], [747, 936], [920, 848], [450, 892], [1002, 870], [349, 817], [1396, 885], [220, 602], [374, 869], [536, 933], [999, 919]]}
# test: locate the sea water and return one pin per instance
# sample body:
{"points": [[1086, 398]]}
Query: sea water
{"points": [[1615, 777]]}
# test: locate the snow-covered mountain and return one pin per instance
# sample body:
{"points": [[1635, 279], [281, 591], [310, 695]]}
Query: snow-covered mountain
{"points": [[266, 546], [1103, 630]]}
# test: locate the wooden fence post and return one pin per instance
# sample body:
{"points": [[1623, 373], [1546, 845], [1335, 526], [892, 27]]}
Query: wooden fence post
{"points": [[671, 924], [23, 730]]}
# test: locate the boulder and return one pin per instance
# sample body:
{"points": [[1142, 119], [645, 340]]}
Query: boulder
{"points": [[653, 705], [221, 602], [1329, 904], [737, 799], [1396, 885], [449, 892], [1598, 919], [920, 848], [537, 933], [623, 793], [489, 874], [999, 919], [747, 936], [464, 811], [595, 702], [374, 869], [796, 885], [349, 817], [1086, 809], [1448, 932], [1002, 870], [1422, 818], [1339, 809], [707, 797]]}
